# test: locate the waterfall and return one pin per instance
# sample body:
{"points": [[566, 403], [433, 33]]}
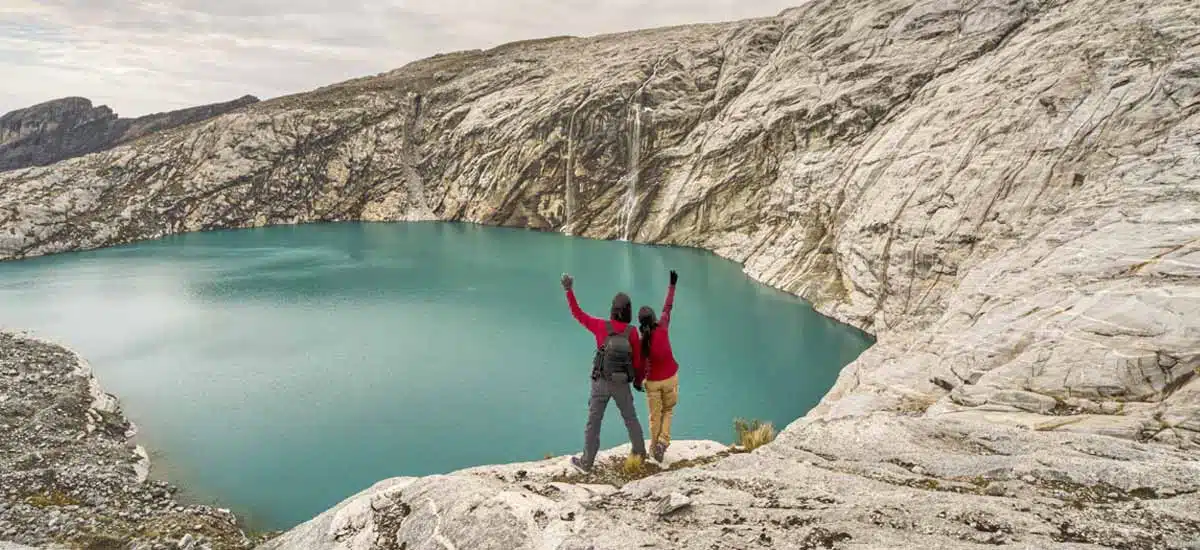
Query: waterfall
{"points": [[625, 220], [570, 187]]}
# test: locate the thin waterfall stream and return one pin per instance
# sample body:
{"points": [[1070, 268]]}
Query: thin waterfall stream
{"points": [[628, 212]]}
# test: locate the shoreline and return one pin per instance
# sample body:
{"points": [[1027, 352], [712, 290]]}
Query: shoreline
{"points": [[828, 311], [72, 470]]}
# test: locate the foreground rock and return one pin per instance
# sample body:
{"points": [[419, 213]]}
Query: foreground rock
{"points": [[69, 473], [1005, 192], [64, 128], [528, 505], [880, 481]]}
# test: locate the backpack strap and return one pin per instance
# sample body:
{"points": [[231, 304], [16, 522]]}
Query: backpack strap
{"points": [[629, 371], [608, 325]]}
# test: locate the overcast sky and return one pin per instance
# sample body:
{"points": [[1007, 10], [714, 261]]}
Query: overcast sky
{"points": [[140, 57]]}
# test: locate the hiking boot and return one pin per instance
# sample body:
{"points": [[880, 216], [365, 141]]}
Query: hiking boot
{"points": [[579, 465], [659, 450]]}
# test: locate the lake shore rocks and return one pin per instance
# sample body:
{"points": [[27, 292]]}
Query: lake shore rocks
{"points": [[1005, 192], [70, 473]]}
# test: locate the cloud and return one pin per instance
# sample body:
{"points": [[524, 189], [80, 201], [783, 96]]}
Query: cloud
{"points": [[143, 56]]}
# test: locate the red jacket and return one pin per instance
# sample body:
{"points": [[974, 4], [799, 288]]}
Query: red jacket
{"points": [[599, 329], [662, 360]]}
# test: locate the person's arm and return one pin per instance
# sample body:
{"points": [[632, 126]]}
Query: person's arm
{"points": [[670, 301], [591, 323]]}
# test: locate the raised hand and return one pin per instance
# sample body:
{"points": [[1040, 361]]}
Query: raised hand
{"points": [[674, 277], [567, 281]]}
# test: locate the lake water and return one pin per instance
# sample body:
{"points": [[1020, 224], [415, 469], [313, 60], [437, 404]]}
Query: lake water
{"points": [[277, 371]]}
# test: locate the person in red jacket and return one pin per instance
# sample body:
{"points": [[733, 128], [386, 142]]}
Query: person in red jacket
{"points": [[662, 381], [617, 363]]}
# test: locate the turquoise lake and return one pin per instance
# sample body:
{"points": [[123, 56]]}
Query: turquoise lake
{"points": [[277, 371]]}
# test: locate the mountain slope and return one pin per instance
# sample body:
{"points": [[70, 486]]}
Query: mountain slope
{"points": [[1005, 192], [69, 127]]}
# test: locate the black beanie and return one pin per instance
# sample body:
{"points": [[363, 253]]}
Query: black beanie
{"points": [[622, 308]]}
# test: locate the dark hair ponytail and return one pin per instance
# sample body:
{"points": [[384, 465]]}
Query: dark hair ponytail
{"points": [[647, 324]]}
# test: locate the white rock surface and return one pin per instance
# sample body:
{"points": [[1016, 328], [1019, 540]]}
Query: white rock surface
{"points": [[1005, 192], [851, 482], [525, 505], [673, 503]]}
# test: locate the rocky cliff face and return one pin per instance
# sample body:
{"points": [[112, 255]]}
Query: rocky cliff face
{"points": [[1005, 192], [49, 132]]}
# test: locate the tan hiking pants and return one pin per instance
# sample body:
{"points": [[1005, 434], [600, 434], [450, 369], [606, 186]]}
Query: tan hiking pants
{"points": [[662, 395]]}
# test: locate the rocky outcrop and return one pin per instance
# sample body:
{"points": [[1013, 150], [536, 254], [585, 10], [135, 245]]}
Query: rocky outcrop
{"points": [[69, 127], [880, 481], [1005, 192], [527, 505], [70, 475]]}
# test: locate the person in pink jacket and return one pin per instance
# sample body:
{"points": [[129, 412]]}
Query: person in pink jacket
{"points": [[662, 379]]}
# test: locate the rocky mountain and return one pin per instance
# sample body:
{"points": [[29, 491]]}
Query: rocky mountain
{"points": [[1005, 192], [69, 127]]}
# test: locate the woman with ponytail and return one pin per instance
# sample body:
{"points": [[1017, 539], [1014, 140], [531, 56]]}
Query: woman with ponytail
{"points": [[662, 379]]}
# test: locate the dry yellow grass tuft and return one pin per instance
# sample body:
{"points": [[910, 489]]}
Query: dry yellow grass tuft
{"points": [[915, 405], [633, 466], [54, 498], [752, 434]]}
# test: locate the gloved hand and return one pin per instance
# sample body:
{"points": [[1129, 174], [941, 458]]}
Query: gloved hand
{"points": [[674, 277], [567, 281], [639, 387]]}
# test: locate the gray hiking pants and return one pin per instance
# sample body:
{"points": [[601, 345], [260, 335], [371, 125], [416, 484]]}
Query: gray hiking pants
{"points": [[620, 390]]}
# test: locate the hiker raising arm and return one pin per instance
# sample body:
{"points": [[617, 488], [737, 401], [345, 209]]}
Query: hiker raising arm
{"points": [[662, 379], [618, 351]]}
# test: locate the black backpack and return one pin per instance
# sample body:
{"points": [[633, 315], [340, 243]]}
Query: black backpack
{"points": [[615, 356]]}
